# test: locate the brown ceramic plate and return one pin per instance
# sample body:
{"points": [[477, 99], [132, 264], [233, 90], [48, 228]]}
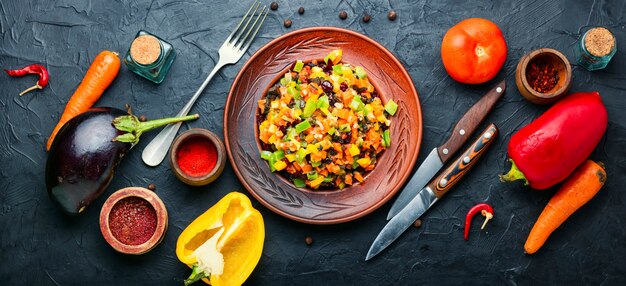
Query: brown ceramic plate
{"points": [[262, 70]]}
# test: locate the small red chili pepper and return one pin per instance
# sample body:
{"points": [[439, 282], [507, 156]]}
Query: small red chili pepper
{"points": [[485, 210], [31, 69]]}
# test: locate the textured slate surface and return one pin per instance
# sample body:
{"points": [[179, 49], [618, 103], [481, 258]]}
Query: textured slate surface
{"points": [[40, 246]]}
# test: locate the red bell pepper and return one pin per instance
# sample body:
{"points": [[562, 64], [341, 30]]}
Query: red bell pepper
{"points": [[548, 149]]}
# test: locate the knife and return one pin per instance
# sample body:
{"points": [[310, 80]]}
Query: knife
{"points": [[429, 195], [440, 155]]}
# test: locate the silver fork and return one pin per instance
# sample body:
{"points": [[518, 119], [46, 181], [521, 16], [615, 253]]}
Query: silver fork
{"points": [[230, 52]]}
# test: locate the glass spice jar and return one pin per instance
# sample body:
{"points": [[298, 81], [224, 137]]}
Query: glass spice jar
{"points": [[597, 46], [149, 56]]}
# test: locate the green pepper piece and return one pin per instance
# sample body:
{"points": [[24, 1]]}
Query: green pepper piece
{"points": [[300, 155], [391, 107], [298, 67], [299, 183], [328, 179], [309, 108], [332, 130], [278, 155], [311, 175], [304, 125], [271, 162], [344, 127], [323, 102], [360, 72], [387, 138], [338, 70], [316, 164], [265, 155], [294, 92]]}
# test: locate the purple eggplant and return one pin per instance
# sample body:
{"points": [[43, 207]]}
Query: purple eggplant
{"points": [[87, 150]]}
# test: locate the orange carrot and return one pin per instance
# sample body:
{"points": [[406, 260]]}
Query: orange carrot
{"points": [[577, 190], [99, 76]]}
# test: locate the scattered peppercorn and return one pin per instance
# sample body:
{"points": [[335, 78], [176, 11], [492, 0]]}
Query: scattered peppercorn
{"points": [[274, 6], [343, 15], [392, 15], [287, 23], [417, 223], [151, 187], [301, 10], [308, 240], [143, 118], [366, 18]]}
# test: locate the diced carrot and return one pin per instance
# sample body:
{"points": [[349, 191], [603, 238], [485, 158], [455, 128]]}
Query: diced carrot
{"points": [[348, 179], [358, 177], [307, 168]]}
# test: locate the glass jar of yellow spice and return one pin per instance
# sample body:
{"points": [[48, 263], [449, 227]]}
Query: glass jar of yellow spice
{"points": [[150, 57], [597, 47]]}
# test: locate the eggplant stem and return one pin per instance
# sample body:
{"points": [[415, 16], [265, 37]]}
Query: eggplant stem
{"points": [[149, 125], [134, 128], [196, 274], [513, 175]]}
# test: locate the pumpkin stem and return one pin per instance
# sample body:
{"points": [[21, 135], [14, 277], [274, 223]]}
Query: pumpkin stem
{"points": [[196, 274], [513, 175]]}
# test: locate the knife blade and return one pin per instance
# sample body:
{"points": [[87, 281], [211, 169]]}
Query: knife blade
{"points": [[440, 155], [430, 194]]}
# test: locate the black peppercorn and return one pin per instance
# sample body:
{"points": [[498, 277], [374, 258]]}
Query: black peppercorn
{"points": [[308, 240], [301, 10], [151, 187], [343, 15], [392, 15], [143, 118], [366, 18], [287, 23], [274, 6]]}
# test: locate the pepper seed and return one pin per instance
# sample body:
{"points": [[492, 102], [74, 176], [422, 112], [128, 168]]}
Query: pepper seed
{"points": [[343, 15], [308, 240], [152, 187], [287, 23], [366, 18], [392, 15], [274, 6], [301, 10]]}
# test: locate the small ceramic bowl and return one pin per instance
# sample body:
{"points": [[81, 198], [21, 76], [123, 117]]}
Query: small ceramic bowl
{"points": [[560, 63], [209, 138], [136, 198]]}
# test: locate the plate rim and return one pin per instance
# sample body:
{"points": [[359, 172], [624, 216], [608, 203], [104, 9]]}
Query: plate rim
{"points": [[373, 207]]}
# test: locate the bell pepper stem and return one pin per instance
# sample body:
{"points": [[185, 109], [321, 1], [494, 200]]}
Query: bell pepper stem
{"points": [[513, 175], [196, 274]]}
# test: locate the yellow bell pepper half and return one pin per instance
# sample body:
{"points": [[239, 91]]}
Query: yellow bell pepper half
{"points": [[239, 231]]}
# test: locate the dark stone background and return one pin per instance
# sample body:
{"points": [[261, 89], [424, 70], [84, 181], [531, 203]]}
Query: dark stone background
{"points": [[40, 246]]}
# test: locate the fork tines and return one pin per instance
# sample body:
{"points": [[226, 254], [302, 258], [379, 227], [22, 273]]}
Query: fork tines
{"points": [[242, 37]]}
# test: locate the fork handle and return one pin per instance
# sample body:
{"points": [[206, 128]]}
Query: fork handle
{"points": [[156, 150]]}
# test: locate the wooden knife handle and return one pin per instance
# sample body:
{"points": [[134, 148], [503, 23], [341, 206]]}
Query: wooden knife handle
{"points": [[451, 175], [470, 121]]}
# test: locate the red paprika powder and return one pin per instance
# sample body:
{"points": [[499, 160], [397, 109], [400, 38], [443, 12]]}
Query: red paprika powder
{"points": [[197, 156]]}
